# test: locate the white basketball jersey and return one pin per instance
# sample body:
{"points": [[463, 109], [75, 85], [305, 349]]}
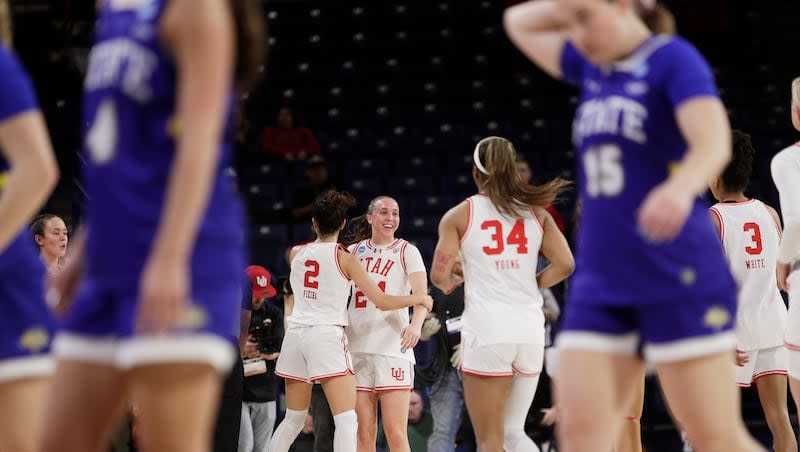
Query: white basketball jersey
{"points": [[371, 330], [750, 238], [319, 285], [502, 302]]}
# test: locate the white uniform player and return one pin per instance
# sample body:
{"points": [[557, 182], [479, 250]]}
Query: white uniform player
{"points": [[315, 346], [751, 239], [503, 323], [380, 362], [785, 173]]}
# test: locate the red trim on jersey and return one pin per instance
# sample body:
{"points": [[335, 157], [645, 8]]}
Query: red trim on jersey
{"points": [[739, 203], [394, 388], [403, 256], [526, 374], [792, 347], [469, 220], [721, 223], [290, 377], [770, 372], [539, 222], [336, 259], [328, 376], [394, 244], [777, 225], [485, 374]]}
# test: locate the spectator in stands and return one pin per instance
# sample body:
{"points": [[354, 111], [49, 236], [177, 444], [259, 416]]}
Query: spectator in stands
{"points": [[318, 183], [420, 426], [50, 235], [288, 141]]}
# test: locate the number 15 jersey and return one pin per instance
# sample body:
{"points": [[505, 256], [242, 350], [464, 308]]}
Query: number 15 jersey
{"points": [[502, 302], [628, 142]]}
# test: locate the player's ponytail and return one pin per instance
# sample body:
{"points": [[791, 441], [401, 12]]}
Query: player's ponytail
{"points": [[251, 36], [361, 229], [6, 32], [330, 210], [496, 176], [656, 16]]}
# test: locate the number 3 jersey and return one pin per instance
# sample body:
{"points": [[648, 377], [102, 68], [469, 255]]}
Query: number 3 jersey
{"points": [[131, 137], [372, 330], [320, 287], [628, 141], [502, 302], [751, 239]]}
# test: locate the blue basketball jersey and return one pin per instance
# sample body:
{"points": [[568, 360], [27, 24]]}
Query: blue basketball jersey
{"points": [[628, 141], [25, 322], [130, 144]]}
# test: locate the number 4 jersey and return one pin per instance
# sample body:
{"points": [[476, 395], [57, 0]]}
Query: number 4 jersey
{"points": [[502, 302], [628, 142], [372, 330], [750, 238], [131, 137]]}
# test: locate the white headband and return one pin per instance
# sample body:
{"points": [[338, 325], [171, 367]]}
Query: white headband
{"points": [[476, 157]]}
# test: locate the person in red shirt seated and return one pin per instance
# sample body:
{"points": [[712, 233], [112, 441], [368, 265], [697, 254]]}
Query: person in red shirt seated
{"points": [[286, 140]]}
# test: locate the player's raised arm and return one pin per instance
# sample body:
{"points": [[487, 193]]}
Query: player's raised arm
{"points": [[538, 29], [444, 257], [382, 301]]}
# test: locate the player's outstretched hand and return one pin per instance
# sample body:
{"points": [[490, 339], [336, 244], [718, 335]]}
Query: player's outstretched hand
{"points": [[427, 301], [664, 212], [741, 358], [410, 336], [164, 294]]}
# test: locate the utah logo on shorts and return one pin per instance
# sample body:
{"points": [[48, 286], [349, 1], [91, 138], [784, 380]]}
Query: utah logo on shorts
{"points": [[398, 373]]}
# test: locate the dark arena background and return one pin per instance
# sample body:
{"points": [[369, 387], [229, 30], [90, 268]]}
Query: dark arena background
{"points": [[397, 93]]}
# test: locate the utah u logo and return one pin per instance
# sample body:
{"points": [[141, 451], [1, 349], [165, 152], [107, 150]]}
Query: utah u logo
{"points": [[398, 373], [261, 281]]}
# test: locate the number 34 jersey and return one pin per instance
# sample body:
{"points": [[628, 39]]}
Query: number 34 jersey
{"points": [[502, 302], [750, 238], [131, 138], [372, 330]]}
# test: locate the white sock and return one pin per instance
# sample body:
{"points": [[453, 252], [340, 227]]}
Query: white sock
{"points": [[287, 431], [344, 437], [519, 401]]}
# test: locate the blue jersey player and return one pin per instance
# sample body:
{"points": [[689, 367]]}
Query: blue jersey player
{"points": [[650, 275], [28, 173], [163, 251]]}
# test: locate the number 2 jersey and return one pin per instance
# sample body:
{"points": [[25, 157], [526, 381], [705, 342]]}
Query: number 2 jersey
{"points": [[502, 302], [372, 330], [132, 134], [751, 239], [628, 141], [320, 286]]}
